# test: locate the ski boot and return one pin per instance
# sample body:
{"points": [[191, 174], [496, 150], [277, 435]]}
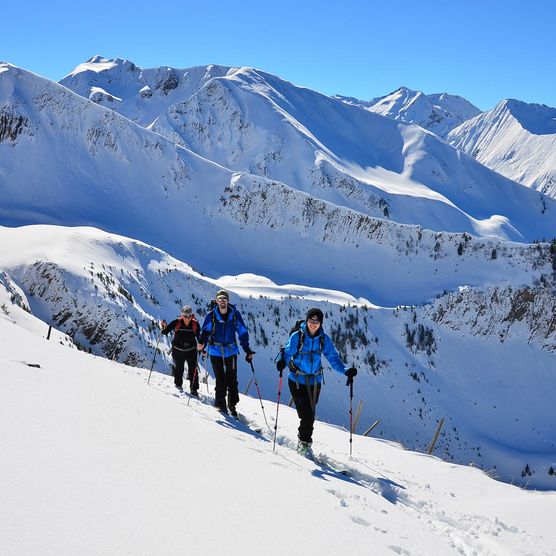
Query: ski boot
{"points": [[304, 448]]}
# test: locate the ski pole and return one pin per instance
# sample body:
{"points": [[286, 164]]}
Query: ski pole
{"points": [[206, 372], [152, 364], [259, 393], [277, 408], [350, 382]]}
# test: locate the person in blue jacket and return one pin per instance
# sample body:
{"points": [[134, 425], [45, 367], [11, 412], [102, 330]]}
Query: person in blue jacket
{"points": [[219, 329], [302, 355]]}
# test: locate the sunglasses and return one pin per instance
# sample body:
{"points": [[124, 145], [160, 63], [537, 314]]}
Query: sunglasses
{"points": [[219, 299], [187, 316], [314, 321]]}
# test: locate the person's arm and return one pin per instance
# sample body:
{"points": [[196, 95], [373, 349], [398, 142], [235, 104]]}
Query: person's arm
{"points": [[206, 329], [243, 335], [167, 328], [332, 356]]}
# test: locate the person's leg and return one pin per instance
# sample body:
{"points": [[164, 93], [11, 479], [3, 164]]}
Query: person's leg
{"points": [[231, 381], [220, 377], [192, 370], [304, 407], [179, 360]]}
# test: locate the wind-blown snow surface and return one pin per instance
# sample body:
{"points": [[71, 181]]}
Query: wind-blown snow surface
{"points": [[439, 112], [516, 139], [466, 357], [97, 461]]}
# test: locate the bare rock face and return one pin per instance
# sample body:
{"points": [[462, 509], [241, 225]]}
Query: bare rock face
{"points": [[169, 80], [12, 124], [101, 96]]}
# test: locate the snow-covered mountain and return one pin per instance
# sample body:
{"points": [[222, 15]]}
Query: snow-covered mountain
{"points": [[516, 139], [439, 112], [251, 121], [97, 461], [136, 93], [465, 357]]}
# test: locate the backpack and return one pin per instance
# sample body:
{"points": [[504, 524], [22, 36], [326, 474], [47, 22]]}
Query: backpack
{"points": [[194, 325], [297, 327]]}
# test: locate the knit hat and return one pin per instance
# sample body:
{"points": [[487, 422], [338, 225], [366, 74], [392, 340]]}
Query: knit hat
{"points": [[315, 313], [222, 294], [186, 311]]}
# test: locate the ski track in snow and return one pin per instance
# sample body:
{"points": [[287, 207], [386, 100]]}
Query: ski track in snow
{"points": [[468, 534]]}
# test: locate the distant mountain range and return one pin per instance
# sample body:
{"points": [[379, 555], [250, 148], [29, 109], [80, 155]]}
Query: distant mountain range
{"points": [[439, 113]]}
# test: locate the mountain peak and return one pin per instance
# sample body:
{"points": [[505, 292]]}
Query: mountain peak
{"points": [[439, 112], [97, 58], [96, 64], [406, 91], [537, 119]]}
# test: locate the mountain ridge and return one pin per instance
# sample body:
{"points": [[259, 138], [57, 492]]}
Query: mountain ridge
{"points": [[516, 139]]}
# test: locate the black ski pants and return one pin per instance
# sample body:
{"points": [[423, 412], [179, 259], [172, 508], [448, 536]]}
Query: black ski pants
{"points": [[225, 373], [305, 397], [180, 359]]}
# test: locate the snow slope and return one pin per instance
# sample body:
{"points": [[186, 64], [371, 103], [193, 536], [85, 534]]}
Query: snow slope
{"points": [[97, 461], [516, 139], [466, 356], [438, 113]]}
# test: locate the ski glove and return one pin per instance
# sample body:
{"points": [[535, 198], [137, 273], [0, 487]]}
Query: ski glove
{"points": [[280, 365], [350, 373], [249, 356]]}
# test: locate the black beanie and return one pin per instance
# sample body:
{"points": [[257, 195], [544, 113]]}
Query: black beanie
{"points": [[312, 313]]}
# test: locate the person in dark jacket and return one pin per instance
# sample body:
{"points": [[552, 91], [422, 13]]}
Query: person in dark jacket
{"points": [[219, 330], [302, 355], [184, 348]]}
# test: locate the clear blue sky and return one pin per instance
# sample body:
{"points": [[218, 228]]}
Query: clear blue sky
{"points": [[484, 50]]}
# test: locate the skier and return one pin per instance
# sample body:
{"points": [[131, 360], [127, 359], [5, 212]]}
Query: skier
{"points": [[302, 355], [219, 329], [184, 348]]}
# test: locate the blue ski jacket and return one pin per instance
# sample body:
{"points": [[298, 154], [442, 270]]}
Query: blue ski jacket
{"points": [[306, 362], [221, 334]]}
